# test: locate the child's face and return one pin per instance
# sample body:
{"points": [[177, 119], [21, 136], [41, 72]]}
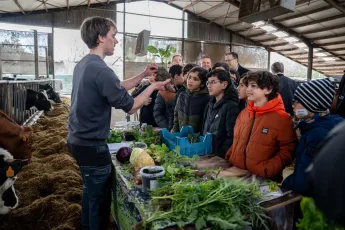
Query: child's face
{"points": [[178, 79], [215, 86], [152, 78], [300, 111], [193, 82], [242, 91], [256, 94]]}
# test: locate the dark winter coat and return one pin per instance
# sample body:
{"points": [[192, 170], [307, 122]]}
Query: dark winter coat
{"points": [[219, 119], [287, 88], [163, 110], [241, 70], [312, 134], [146, 112], [190, 109]]}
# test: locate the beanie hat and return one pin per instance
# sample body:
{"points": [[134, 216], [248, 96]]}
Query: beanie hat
{"points": [[316, 95]]}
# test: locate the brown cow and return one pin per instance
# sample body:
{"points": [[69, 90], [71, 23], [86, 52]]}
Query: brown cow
{"points": [[14, 138]]}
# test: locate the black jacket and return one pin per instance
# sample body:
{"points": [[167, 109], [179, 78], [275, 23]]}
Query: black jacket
{"points": [[219, 119], [163, 110], [341, 101], [241, 70], [287, 88], [146, 112], [190, 109]]}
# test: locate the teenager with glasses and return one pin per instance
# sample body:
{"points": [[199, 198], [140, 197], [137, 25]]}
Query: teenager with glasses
{"points": [[221, 112]]}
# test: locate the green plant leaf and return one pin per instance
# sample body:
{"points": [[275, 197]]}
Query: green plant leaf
{"points": [[223, 224], [152, 49], [172, 49], [200, 223]]}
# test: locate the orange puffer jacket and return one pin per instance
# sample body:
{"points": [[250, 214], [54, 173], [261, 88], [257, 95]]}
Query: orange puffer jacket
{"points": [[264, 139]]}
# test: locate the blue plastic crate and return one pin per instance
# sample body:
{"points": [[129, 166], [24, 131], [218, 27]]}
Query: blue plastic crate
{"points": [[203, 147]]}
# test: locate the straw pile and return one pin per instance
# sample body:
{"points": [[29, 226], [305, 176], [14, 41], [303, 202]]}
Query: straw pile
{"points": [[50, 187]]}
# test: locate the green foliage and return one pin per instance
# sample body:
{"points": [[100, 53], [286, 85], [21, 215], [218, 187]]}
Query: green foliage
{"points": [[220, 203], [115, 137], [193, 138], [313, 219], [163, 54]]}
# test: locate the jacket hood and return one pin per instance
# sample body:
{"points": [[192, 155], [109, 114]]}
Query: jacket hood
{"points": [[319, 120], [201, 91], [274, 105], [230, 95]]}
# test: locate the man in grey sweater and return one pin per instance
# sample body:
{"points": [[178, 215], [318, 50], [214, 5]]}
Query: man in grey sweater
{"points": [[96, 89]]}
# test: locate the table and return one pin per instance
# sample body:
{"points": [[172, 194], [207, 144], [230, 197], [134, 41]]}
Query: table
{"points": [[130, 203]]}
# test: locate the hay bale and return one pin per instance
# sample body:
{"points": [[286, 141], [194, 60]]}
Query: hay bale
{"points": [[50, 187]]}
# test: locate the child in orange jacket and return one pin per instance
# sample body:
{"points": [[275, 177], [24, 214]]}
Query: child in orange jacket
{"points": [[264, 139]]}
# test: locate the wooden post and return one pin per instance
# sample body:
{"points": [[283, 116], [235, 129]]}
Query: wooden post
{"points": [[0, 64], [50, 56], [47, 61], [310, 62], [269, 60], [183, 28]]}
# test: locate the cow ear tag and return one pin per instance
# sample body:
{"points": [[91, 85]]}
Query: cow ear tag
{"points": [[9, 172], [25, 138]]}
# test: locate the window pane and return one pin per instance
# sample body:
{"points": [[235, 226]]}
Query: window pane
{"points": [[252, 57]]}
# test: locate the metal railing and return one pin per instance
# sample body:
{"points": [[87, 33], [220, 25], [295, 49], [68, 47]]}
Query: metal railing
{"points": [[13, 98]]}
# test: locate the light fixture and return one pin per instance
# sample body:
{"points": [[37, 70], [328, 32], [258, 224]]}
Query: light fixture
{"points": [[268, 28], [258, 24], [300, 45], [320, 54], [291, 39], [280, 34], [314, 50], [328, 59]]}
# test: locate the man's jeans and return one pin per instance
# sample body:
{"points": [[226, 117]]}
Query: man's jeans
{"points": [[97, 173]]}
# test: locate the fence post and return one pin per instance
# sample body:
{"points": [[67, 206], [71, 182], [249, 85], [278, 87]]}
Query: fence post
{"points": [[0, 64], [36, 54]]}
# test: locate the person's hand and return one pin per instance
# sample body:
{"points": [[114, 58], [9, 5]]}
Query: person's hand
{"points": [[151, 69], [160, 85], [148, 102]]}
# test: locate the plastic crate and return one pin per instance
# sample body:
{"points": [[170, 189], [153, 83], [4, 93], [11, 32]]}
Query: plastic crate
{"points": [[203, 147]]}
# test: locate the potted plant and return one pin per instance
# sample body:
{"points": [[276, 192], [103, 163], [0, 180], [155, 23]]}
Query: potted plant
{"points": [[161, 53]]}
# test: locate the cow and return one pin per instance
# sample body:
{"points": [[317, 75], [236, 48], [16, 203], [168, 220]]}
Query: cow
{"points": [[15, 138], [52, 95], [38, 100], [9, 168]]}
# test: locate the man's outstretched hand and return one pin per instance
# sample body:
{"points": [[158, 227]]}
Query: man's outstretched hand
{"points": [[151, 69], [160, 85]]}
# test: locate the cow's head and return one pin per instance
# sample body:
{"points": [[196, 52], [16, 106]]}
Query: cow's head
{"points": [[9, 168], [41, 100], [52, 95]]}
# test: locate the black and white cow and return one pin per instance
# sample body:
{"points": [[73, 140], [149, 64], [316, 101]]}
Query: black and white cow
{"points": [[9, 169], [38, 100], [52, 95]]}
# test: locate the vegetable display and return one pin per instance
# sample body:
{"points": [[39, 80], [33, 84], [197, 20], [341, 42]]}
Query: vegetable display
{"points": [[221, 203], [123, 154], [139, 159], [313, 218], [115, 137]]}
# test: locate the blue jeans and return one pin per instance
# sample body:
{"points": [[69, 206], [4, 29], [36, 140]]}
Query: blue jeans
{"points": [[97, 173]]}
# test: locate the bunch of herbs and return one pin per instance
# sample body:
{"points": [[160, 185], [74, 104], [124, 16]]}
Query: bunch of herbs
{"points": [[220, 203]]}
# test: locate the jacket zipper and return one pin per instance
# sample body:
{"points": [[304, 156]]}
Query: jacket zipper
{"points": [[245, 147]]}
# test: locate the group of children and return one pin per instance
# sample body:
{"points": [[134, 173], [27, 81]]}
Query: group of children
{"points": [[246, 115]]}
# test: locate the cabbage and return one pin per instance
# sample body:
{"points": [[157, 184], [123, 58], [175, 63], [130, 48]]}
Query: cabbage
{"points": [[123, 154]]}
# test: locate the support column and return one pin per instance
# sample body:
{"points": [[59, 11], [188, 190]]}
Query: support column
{"points": [[124, 41], [0, 63], [183, 28], [47, 61], [51, 54], [310, 62], [36, 54], [269, 60]]}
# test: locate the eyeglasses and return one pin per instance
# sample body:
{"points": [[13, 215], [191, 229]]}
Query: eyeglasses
{"points": [[212, 82]]}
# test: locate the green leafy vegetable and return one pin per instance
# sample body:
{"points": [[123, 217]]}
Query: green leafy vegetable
{"points": [[115, 137], [313, 218], [220, 203]]}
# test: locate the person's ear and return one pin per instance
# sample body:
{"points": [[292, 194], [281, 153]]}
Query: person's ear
{"points": [[101, 39], [225, 84]]}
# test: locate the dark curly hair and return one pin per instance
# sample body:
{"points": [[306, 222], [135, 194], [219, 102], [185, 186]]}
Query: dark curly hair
{"points": [[221, 75], [221, 64], [188, 67], [265, 79], [202, 74]]}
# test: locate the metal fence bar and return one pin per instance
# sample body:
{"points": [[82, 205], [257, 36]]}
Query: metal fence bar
{"points": [[13, 98]]}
